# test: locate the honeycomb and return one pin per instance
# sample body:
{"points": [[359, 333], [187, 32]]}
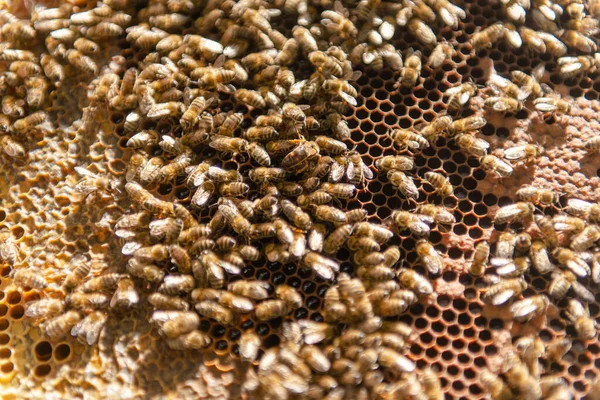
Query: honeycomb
{"points": [[455, 337]]}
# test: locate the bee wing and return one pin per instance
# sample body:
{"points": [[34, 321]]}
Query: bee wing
{"points": [[367, 171], [582, 292], [229, 268], [130, 248], [538, 72], [323, 271], [350, 171], [242, 304], [347, 98], [498, 104], [453, 90], [514, 153], [502, 297], [579, 267], [226, 88], [522, 308], [544, 106], [85, 172], [125, 233]]}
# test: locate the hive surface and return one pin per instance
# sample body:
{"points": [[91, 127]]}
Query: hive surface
{"points": [[455, 333]]}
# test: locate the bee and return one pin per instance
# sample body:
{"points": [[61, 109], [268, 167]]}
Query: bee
{"points": [[504, 104], [271, 309], [324, 267], [336, 239], [37, 88], [305, 39], [87, 300], [126, 295], [216, 311], [430, 258], [395, 361], [501, 85], [593, 144], [539, 257], [529, 83], [552, 104], [527, 309], [295, 214], [289, 295], [59, 326], [417, 224], [216, 174], [52, 69], [228, 144], [480, 259], [533, 40], [357, 171], [407, 139], [585, 239], [431, 384], [250, 97], [189, 117], [264, 174], [12, 106], [436, 127], [102, 282], [191, 340], [404, 183], [504, 291], [442, 52], [249, 345], [411, 71], [519, 378], [498, 389], [422, 32], [401, 163], [439, 214], [231, 123], [11, 147], [342, 88], [572, 261], [522, 243], [163, 302], [580, 317], [30, 278], [44, 308], [233, 217], [510, 268], [304, 152], [544, 197], [468, 124], [573, 66], [24, 69], [82, 62], [578, 41], [30, 121], [563, 281], [414, 281], [472, 145], [295, 112], [514, 212], [546, 226], [558, 348], [169, 109], [439, 183], [315, 357], [92, 183], [175, 323], [485, 38]]}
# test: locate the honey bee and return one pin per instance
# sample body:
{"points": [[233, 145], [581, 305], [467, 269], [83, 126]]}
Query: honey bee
{"points": [[468, 124], [216, 174], [504, 104], [191, 340], [329, 214], [430, 258], [248, 346], [271, 309], [504, 291], [92, 183], [417, 224], [414, 281], [498, 389], [12, 106], [510, 268], [330, 145], [59, 326], [230, 124], [404, 183], [585, 239], [44, 308], [189, 117], [304, 152], [411, 71], [442, 52], [256, 290], [487, 37], [82, 62], [572, 261], [264, 174], [480, 258], [580, 317], [552, 104], [169, 109], [295, 214], [533, 39], [357, 171], [11, 147], [228, 144], [573, 66], [558, 348], [439, 183], [336, 239], [216, 311], [87, 300], [502, 86], [522, 243], [527, 309], [52, 69], [37, 87], [563, 281], [514, 212], [30, 121], [322, 266], [176, 323], [233, 217], [30, 278], [305, 39], [337, 23], [407, 139], [315, 357], [539, 257], [163, 302], [593, 144], [342, 88], [251, 98], [536, 195], [102, 282], [395, 361], [578, 41], [401, 163], [460, 95]]}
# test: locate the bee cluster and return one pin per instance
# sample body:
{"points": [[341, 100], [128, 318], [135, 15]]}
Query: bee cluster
{"points": [[243, 106]]}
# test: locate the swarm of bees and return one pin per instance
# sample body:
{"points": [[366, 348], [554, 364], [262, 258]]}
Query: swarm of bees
{"points": [[235, 83]]}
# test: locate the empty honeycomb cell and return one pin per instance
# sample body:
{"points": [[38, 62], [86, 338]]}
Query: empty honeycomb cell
{"points": [[5, 353], [62, 352], [42, 370], [7, 367], [17, 312], [43, 351]]}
